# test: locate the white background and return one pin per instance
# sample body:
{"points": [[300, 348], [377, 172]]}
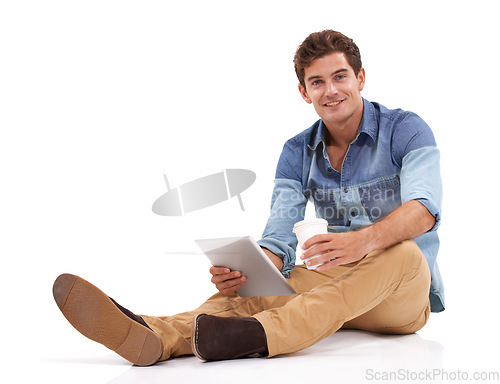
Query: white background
{"points": [[98, 99]]}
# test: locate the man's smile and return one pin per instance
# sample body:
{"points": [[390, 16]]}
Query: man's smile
{"points": [[333, 103]]}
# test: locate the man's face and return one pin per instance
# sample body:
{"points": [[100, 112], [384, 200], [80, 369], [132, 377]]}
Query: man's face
{"points": [[333, 89]]}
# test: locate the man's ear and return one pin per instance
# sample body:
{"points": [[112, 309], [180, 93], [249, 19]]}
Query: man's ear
{"points": [[304, 95], [361, 79]]}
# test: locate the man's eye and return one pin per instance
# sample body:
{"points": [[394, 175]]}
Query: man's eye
{"points": [[316, 82], [340, 77]]}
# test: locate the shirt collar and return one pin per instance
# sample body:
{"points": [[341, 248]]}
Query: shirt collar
{"points": [[368, 126], [369, 121]]}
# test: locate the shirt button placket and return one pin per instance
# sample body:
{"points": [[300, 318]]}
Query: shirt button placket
{"points": [[346, 203]]}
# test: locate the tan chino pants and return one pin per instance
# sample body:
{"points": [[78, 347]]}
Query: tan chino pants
{"points": [[386, 292]]}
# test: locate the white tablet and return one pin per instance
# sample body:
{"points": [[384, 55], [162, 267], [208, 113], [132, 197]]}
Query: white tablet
{"points": [[245, 255]]}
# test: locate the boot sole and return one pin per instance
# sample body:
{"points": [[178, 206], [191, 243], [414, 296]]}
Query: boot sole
{"points": [[95, 316], [194, 337]]}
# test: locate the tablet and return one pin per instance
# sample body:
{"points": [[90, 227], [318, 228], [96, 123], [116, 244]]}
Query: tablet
{"points": [[245, 255]]}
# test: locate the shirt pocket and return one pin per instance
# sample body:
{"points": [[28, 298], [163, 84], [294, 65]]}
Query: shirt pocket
{"points": [[326, 208], [380, 197]]}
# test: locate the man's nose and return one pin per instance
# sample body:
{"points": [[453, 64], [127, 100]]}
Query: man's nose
{"points": [[331, 89]]}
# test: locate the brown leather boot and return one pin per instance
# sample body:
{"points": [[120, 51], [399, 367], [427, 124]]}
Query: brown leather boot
{"points": [[101, 319], [223, 338]]}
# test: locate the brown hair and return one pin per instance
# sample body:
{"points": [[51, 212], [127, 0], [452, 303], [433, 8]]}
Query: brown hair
{"points": [[319, 44]]}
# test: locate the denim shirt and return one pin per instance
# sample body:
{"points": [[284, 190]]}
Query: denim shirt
{"points": [[392, 160]]}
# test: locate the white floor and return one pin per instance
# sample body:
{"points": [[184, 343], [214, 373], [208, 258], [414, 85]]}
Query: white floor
{"points": [[345, 357], [438, 353]]}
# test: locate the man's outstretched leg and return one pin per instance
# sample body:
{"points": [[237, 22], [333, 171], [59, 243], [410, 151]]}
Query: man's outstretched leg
{"points": [[101, 319]]}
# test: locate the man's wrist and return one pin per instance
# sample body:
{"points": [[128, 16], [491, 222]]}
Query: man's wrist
{"points": [[276, 260], [371, 238]]}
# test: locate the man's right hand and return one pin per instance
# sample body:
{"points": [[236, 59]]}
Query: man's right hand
{"points": [[227, 281]]}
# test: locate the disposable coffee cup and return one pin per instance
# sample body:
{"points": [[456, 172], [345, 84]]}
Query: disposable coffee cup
{"points": [[306, 229]]}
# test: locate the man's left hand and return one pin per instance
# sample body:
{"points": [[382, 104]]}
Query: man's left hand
{"points": [[336, 249]]}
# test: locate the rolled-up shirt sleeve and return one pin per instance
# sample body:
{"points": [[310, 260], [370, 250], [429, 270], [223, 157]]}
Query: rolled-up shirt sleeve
{"points": [[421, 180], [415, 151], [288, 206]]}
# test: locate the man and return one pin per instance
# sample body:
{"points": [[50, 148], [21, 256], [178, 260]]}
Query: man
{"points": [[373, 174]]}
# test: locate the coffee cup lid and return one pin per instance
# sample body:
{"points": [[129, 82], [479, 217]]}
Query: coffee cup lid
{"points": [[310, 222]]}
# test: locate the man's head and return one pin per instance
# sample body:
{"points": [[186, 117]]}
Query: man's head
{"points": [[320, 44], [331, 78]]}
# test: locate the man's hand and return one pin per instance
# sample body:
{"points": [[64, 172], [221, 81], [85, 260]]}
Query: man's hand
{"points": [[406, 222], [343, 248], [227, 281]]}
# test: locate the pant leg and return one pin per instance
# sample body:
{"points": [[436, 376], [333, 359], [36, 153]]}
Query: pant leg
{"points": [[175, 331], [385, 291]]}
